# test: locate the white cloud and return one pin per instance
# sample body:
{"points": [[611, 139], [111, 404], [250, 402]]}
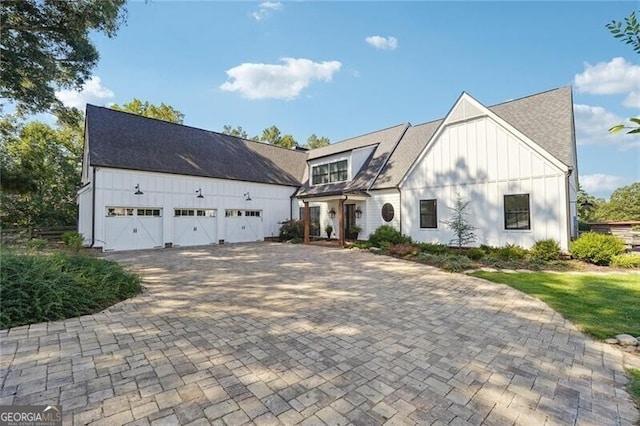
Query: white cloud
{"points": [[272, 81], [265, 9], [601, 183], [593, 124], [617, 76], [92, 92], [383, 43]]}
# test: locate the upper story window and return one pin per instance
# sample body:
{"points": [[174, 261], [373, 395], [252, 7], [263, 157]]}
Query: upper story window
{"points": [[329, 173]]}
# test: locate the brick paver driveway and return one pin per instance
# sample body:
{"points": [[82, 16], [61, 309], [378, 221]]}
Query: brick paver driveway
{"points": [[282, 334]]}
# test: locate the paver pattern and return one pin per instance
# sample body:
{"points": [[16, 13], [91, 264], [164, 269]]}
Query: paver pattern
{"points": [[270, 334]]}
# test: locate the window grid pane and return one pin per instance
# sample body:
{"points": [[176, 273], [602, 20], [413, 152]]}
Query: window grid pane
{"points": [[428, 214], [516, 212]]}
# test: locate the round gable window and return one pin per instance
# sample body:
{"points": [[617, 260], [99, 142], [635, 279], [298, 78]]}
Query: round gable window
{"points": [[387, 212]]}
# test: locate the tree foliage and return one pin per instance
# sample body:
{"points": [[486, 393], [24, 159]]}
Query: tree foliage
{"points": [[624, 204], [459, 223], [629, 32], [40, 173], [45, 45], [235, 131], [160, 112], [315, 142], [587, 206]]}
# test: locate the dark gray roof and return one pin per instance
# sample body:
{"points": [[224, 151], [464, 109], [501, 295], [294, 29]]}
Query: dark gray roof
{"points": [[384, 142], [546, 118], [127, 141]]}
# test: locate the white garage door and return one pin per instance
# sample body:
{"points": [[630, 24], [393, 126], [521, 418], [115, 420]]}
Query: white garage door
{"points": [[242, 226], [194, 227], [132, 228]]}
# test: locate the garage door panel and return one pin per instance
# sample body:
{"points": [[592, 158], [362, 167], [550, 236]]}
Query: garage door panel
{"points": [[195, 227], [243, 226], [131, 228]]}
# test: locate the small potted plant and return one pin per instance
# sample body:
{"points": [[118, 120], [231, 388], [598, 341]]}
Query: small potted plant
{"points": [[354, 231], [329, 230]]}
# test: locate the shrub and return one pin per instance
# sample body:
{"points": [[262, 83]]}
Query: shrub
{"points": [[450, 263], [296, 240], [402, 250], [36, 244], [474, 253], [73, 240], [457, 263], [433, 248], [510, 252], [38, 288], [626, 260], [493, 262], [548, 249], [292, 229], [597, 248], [363, 245], [386, 236]]}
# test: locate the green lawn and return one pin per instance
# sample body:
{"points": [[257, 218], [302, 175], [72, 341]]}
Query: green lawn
{"points": [[600, 305]]}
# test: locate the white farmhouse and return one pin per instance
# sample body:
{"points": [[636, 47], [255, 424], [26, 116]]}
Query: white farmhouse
{"points": [[149, 183]]}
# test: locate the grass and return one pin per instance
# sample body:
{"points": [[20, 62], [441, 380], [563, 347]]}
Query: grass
{"points": [[600, 305], [40, 287]]}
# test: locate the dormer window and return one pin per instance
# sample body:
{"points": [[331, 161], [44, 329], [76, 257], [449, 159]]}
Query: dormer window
{"points": [[329, 173]]}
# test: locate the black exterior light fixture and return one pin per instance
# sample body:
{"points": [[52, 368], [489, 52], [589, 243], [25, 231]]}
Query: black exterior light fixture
{"points": [[332, 213], [199, 192], [586, 204], [247, 197], [358, 212], [138, 192]]}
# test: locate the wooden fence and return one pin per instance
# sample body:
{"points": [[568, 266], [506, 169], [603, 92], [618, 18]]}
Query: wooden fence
{"points": [[17, 235], [626, 231]]}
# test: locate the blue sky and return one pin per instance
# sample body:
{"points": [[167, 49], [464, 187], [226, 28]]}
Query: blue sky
{"points": [[340, 69]]}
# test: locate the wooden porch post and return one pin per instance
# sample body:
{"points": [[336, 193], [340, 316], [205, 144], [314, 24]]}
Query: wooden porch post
{"points": [[307, 220], [341, 223]]}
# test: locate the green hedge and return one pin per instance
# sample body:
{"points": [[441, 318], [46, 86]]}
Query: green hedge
{"points": [[38, 288], [597, 248]]}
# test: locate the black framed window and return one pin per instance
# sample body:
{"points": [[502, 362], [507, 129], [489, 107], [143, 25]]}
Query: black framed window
{"points": [[517, 213], [320, 174], [428, 214], [337, 171]]}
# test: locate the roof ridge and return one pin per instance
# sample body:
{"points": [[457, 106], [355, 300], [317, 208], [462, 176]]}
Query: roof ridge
{"points": [[364, 134], [529, 96]]}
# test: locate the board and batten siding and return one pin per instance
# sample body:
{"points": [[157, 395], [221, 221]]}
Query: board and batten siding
{"points": [[483, 161], [116, 187], [373, 211], [85, 212]]}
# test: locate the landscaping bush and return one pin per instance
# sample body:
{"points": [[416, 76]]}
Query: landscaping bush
{"points": [[36, 244], [510, 252], [37, 288], [456, 263], [597, 248], [363, 245], [402, 250], [73, 240], [292, 229], [548, 249], [451, 263], [386, 236], [474, 253], [433, 248], [626, 260], [493, 262]]}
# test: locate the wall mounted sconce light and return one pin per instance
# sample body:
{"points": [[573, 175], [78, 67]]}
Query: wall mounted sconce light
{"points": [[247, 196], [358, 213], [199, 192], [332, 213], [138, 192]]}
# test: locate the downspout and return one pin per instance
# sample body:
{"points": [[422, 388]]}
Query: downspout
{"points": [[93, 210], [568, 205], [400, 207]]}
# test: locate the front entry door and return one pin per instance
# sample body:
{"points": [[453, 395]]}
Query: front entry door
{"points": [[349, 220]]}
